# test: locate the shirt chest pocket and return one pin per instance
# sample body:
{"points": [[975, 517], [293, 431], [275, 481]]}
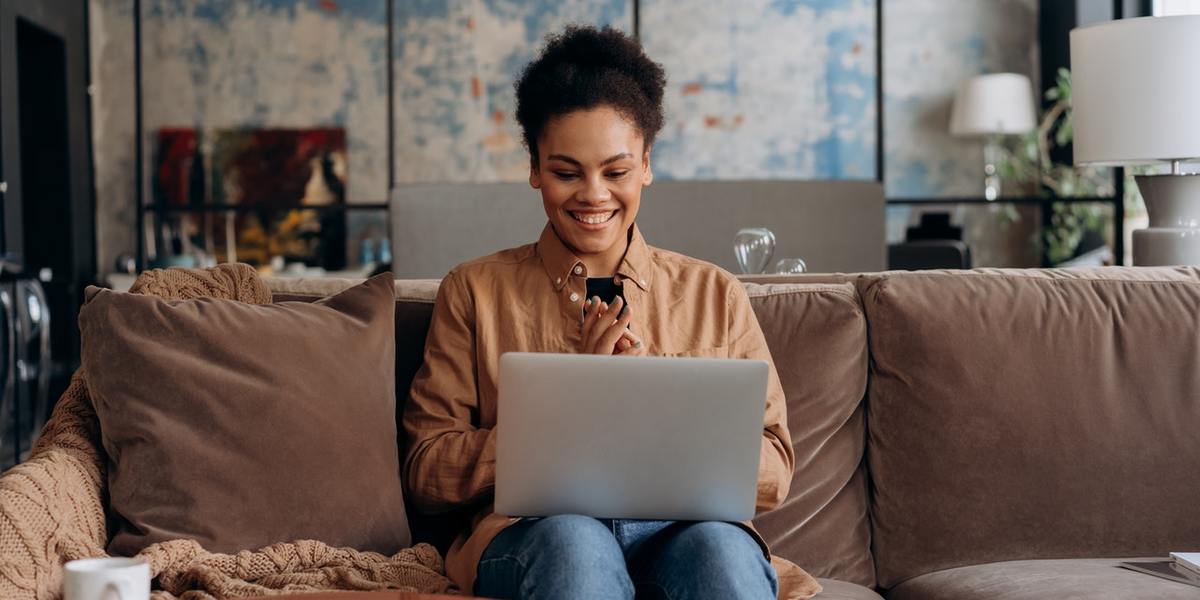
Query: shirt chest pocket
{"points": [[709, 352]]}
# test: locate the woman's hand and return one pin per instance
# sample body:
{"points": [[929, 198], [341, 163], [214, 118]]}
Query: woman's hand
{"points": [[604, 333]]}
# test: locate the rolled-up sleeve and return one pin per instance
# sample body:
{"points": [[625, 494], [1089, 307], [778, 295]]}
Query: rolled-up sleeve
{"points": [[450, 461], [777, 457]]}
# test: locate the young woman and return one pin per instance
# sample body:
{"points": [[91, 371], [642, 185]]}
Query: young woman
{"points": [[589, 108]]}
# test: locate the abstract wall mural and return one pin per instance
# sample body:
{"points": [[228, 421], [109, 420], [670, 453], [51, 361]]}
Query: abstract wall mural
{"points": [[757, 88], [765, 89], [456, 61], [292, 64]]}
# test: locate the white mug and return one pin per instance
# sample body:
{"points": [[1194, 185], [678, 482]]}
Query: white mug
{"points": [[106, 579]]}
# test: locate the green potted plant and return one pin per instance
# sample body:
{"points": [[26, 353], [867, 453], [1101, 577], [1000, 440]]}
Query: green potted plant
{"points": [[1028, 163]]}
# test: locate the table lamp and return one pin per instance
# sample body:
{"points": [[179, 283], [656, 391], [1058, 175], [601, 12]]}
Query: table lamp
{"points": [[1136, 100], [991, 106]]}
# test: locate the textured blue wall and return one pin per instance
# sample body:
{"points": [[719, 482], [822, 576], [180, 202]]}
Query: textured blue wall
{"points": [[757, 88]]}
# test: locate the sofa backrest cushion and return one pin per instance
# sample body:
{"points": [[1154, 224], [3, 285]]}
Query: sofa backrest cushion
{"points": [[1023, 414], [818, 339], [210, 412], [414, 309], [817, 336]]}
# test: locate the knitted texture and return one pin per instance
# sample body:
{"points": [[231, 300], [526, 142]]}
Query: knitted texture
{"points": [[52, 506], [187, 572]]}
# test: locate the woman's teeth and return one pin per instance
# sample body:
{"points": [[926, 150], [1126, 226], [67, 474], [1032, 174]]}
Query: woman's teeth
{"points": [[593, 218]]}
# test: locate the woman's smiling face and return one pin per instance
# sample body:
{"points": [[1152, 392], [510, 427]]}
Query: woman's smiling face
{"points": [[591, 167]]}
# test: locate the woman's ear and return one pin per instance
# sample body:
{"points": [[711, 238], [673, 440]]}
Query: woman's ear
{"points": [[647, 174], [535, 176]]}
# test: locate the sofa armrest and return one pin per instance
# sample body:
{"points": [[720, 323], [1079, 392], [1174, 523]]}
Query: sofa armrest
{"points": [[52, 505]]}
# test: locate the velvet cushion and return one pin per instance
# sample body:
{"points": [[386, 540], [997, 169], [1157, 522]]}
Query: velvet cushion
{"points": [[1070, 579], [817, 335], [834, 589], [1020, 414], [414, 310], [240, 425]]}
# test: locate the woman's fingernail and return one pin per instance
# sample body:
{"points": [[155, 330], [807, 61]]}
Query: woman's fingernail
{"points": [[637, 344], [624, 311]]}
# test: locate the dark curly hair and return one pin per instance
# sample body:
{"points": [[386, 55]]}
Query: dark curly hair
{"points": [[583, 68]]}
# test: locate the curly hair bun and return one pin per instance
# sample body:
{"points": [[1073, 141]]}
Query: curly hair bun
{"points": [[585, 67]]}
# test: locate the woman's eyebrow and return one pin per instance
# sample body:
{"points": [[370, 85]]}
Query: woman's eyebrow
{"points": [[609, 160], [615, 158]]}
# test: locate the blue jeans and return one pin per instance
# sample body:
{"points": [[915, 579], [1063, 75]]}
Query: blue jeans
{"points": [[572, 556]]}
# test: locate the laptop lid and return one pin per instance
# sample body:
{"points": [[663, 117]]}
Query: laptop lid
{"points": [[629, 437]]}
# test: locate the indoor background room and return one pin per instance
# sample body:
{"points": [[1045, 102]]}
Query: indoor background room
{"points": [[985, 341]]}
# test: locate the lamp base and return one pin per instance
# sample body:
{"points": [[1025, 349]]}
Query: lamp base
{"points": [[991, 175], [1173, 237]]}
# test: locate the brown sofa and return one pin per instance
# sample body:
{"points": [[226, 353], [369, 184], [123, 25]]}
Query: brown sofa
{"points": [[1003, 434], [973, 434]]}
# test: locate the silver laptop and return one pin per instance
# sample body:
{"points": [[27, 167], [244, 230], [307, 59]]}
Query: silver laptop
{"points": [[629, 437]]}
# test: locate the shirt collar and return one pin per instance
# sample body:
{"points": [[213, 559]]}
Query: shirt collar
{"points": [[560, 262]]}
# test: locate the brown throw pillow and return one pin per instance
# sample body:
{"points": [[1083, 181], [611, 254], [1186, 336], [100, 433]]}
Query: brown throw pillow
{"points": [[241, 425]]}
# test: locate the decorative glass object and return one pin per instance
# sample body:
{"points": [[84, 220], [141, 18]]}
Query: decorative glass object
{"points": [[753, 248], [791, 265]]}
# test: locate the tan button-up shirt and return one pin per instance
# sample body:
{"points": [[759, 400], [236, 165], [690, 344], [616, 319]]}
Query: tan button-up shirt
{"points": [[530, 299]]}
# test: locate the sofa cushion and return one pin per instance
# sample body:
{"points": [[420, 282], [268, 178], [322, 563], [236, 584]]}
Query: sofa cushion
{"points": [[818, 340], [1068, 579], [414, 309], [833, 589], [240, 425], [1018, 414]]}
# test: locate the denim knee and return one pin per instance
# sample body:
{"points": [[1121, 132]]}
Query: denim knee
{"points": [[721, 543], [565, 556], [570, 538], [708, 559]]}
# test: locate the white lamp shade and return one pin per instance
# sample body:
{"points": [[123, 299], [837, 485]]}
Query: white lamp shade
{"points": [[1000, 103], [1135, 90]]}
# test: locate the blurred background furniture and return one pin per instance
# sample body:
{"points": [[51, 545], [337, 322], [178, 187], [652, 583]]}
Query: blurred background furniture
{"points": [[932, 244], [836, 226], [990, 107], [1136, 99], [47, 231], [929, 254]]}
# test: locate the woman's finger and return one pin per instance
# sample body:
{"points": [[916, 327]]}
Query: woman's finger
{"points": [[631, 337], [601, 323], [608, 338], [592, 342], [591, 315], [631, 344], [588, 341]]}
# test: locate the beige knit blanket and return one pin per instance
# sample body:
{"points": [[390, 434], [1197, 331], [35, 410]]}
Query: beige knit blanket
{"points": [[52, 507]]}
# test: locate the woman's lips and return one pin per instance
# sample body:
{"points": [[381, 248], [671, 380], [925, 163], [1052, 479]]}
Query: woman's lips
{"points": [[593, 220]]}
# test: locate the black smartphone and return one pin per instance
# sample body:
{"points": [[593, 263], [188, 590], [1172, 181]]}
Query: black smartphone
{"points": [[608, 290]]}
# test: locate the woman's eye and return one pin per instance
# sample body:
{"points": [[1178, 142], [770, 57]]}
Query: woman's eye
{"points": [[564, 175], [617, 174]]}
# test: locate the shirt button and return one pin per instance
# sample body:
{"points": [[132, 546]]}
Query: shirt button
{"points": [[578, 269], [643, 282], [574, 297], [557, 280]]}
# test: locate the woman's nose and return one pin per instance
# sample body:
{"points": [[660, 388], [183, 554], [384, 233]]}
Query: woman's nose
{"points": [[594, 191]]}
